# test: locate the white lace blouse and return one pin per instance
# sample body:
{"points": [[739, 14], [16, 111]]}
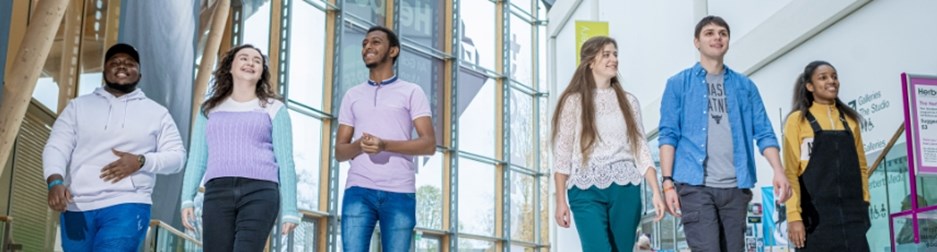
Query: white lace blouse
{"points": [[611, 160]]}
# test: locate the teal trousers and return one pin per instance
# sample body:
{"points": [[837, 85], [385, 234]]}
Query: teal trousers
{"points": [[606, 219]]}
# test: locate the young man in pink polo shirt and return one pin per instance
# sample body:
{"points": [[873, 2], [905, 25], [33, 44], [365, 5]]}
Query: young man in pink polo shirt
{"points": [[380, 115]]}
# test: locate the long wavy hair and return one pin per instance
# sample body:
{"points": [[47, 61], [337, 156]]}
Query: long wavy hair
{"points": [[223, 82], [583, 84], [803, 98]]}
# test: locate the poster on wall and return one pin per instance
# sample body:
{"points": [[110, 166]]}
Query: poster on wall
{"points": [[775, 219], [920, 104], [586, 30]]}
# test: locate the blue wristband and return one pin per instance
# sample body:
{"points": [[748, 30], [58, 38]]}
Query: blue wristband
{"points": [[55, 183]]}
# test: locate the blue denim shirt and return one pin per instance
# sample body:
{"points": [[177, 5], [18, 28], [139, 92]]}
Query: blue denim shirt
{"points": [[683, 122]]}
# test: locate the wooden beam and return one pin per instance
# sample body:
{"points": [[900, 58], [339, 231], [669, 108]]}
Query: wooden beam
{"points": [[111, 25], [20, 82], [322, 231], [209, 55], [331, 21], [226, 40], [501, 83], [204, 19], [389, 16], [71, 53], [451, 66], [273, 50], [18, 19], [446, 200]]}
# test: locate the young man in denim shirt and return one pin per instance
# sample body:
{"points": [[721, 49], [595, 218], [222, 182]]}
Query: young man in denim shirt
{"points": [[710, 116]]}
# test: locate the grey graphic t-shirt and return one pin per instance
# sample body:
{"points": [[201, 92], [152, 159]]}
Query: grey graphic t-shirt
{"points": [[720, 170]]}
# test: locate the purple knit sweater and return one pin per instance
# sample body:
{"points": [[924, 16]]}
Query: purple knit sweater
{"points": [[240, 145]]}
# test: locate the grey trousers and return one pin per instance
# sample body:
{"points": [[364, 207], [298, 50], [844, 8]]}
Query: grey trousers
{"points": [[714, 218]]}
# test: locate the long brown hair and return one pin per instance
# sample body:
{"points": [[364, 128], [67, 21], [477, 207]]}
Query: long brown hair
{"points": [[583, 83], [803, 98], [224, 82]]}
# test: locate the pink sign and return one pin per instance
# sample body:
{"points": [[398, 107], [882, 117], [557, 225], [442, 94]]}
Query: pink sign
{"points": [[920, 93]]}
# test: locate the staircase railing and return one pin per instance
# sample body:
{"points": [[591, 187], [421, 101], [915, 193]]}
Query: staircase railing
{"points": [[6, 240], [163, 237], [891, 143]]}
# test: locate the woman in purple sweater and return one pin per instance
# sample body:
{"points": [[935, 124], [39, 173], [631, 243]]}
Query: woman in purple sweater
{"points": [[242, 148]]}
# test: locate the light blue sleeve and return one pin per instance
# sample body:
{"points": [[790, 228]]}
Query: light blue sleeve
{"points": [[763, 131], [671, 112], [197, 162], [283, 151]]}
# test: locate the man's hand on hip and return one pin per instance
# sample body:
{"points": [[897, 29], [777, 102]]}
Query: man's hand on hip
{"points": [[127, 164]]}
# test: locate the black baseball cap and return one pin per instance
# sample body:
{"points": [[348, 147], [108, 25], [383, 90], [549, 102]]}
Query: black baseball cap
{"points": [[122, 48]]}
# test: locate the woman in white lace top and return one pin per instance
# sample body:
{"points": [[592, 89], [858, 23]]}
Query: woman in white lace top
{"points": [[600, 153]]}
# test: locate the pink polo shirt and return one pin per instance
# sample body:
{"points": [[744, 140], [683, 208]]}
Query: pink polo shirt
{"points": [[387, 112]]}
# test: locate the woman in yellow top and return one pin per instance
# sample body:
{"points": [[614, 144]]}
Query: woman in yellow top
{"points": [[823, 151]]}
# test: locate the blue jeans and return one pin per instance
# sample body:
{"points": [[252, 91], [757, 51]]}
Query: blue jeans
{"points": [[362, 208], [114, 228]]}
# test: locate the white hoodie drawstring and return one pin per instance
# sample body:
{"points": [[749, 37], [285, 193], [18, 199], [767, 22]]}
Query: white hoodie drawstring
{"points": [[110, 108], [106, 122], [126, 104]]}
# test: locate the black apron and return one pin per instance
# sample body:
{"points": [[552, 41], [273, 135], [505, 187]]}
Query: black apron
{"points": [[835, 214]]}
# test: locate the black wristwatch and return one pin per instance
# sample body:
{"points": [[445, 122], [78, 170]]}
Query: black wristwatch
{"points": [[141, 159], [665, 178]]}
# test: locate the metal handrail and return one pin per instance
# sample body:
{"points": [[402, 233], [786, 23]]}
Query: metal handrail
{"points": [[526, 244], [6, 241], [479, 237], [313, 214], [429, 231], [891, 143], [158, 224]]}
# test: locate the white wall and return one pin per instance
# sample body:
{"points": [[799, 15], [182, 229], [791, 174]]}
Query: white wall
{"points": [[741, 22], [870, 47]]}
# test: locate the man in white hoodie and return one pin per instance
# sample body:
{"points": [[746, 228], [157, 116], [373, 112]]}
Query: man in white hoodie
{"points": [[102, 158]]}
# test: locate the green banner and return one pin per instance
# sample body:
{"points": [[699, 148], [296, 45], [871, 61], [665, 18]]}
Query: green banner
{"points": [[586, 30]]}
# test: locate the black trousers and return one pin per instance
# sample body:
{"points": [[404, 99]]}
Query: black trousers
{"points": [[238, 214]]}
